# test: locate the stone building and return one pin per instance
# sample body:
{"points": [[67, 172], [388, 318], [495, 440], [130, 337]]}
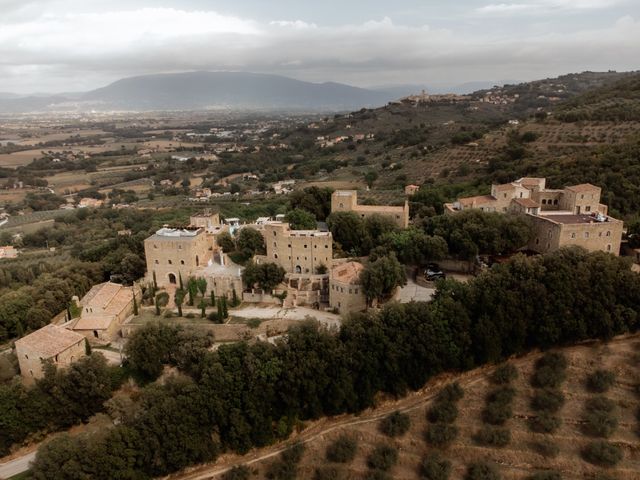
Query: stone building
{"points": [[175, 252], [104, 308], [50, 343], [297, 251], [345, 289], [561, 217], [207, 220], [223, 276], [347, 201]]}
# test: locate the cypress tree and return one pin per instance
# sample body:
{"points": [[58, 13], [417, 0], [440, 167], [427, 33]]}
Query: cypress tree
{"points": [[213, 298]]}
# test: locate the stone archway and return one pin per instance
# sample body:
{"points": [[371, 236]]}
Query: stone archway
{"points": [[172, 279]]}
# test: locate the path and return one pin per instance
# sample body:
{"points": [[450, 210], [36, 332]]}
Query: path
{"points": [[295, 313], [324, 426], [19, 465]]}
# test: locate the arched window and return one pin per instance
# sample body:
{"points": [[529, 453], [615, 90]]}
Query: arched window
{"points": [[172, 278], [197, 261]]}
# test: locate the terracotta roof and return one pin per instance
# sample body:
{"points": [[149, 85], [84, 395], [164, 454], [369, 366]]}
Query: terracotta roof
{"points": [[505, 186], [526, 202], [530, 181], [347, 273], [583, 187], [477, 199], [110, 299], [49, 341]]}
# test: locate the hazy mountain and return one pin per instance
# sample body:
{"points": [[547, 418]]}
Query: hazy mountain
{"points": [[202, 90]]}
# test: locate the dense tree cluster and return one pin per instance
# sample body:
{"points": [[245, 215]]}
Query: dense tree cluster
{"points": [[471, 232], [61, 399], [33, 292], [266, 276], [242, 396]]}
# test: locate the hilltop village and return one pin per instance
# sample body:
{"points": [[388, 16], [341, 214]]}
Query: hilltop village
{"points": [[294, 267], [181, 288]]}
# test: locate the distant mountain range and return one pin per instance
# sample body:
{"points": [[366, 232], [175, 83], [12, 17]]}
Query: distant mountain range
{"points": [[205, 90]]}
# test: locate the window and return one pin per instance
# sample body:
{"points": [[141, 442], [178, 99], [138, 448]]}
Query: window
{"points": [[544, 201], [608, 248], [356, 291], [275, 244], [179, 247], [289, 246], [587, 208], [521, 194], [181, 262], [157, 262], [274, 234], [505, 195], [155, 246], [305, 245], [275, 255], [26, 356], [586, 234], [608, 233], [342, 205], [581, 197], [573, 235], [555, 202], [170, 262]]}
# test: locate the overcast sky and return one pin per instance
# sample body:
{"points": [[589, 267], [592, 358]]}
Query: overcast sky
{"points": [[72, 45]]}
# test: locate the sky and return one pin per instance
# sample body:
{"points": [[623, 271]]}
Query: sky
{"points": [[77, 45]]}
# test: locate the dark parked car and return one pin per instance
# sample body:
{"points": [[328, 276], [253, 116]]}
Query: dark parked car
{"points": [[434, 272]]}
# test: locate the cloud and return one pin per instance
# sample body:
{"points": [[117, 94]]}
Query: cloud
{"points": [[69, 51], [543, 7]]}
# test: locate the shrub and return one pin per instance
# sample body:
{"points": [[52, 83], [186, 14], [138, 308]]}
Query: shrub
{"points": [[600, 404], [190, 315], [548, 399], [383, 457], [555, 360], [286, 467], [503, 395], [481, 471], [600, 381], [293, 454], [602, 453], [441, 412], [600, 424], [493, 437], [434, 467], [239, 472], [328, 473], [497, 413], [548, 377], [546, 448], [342, 450], [451, 393], [545, 422], [377, 475], [440, 434], [395, 424], [504, 374], [548, 475]]}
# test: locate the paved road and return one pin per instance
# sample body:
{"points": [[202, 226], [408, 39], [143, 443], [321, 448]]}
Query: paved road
{"points": [[412, 292], [19, 465]]}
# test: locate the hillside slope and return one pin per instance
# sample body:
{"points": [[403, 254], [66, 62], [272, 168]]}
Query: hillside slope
{"points": [[516, 461]]}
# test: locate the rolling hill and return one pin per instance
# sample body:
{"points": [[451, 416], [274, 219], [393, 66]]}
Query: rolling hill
{"points": [[206, 90]]}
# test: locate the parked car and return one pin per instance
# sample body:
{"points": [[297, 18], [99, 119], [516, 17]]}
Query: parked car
{"points": [[434, 272]]}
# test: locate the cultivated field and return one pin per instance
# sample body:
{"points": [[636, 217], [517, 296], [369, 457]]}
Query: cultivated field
{"points": [[519, 459]]}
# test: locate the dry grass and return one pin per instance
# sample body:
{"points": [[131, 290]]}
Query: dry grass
{"points": [[516, 461]]}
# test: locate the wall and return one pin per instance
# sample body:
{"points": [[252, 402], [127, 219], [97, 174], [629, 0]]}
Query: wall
{"points": [[31, 363], [596, 236], [347, 297], [298, 251], [180, 252]]}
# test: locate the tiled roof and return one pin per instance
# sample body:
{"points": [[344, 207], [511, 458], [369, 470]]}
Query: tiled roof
{"points": [[583, 187], [476, 200], [526, 202], [49, 341]]}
